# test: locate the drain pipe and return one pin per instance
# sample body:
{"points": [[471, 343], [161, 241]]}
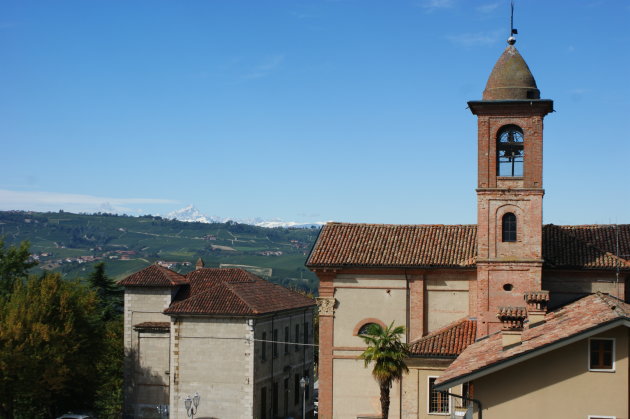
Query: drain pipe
{"points": [[477, 402]]}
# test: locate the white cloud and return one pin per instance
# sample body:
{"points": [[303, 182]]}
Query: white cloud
{"points": [[488, 7], [53, 201], [265, 68], [432, 5], [475, 39]]}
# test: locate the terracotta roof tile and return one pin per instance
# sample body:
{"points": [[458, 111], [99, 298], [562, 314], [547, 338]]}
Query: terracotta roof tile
{"points": [[341, 244], [448, 341], [575, 318], [233, 292], [454, 246], [154, 276], [586, 247]]}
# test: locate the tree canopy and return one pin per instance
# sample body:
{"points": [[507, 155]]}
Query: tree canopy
{"points": [[14, 265], [108, 292], [60, 344]]}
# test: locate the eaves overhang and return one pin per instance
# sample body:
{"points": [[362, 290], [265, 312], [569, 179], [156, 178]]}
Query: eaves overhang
{"points": [[490, 107], [517, 359], [238, 315], [374, 266]]}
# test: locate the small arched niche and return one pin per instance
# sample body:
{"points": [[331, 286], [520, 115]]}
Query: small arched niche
{"points": [[363, 325]]}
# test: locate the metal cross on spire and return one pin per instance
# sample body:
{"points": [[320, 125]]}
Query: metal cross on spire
{"points": [[513, 31]]}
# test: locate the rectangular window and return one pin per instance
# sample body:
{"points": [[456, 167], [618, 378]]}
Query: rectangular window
{"points": [[438, 402], [305, 333], [285, 399], [286, 340], [466, 394], [296, 389], [263, 354], [263, 403], [275, 343], [601, 354], [274, 401], [297, 337]]}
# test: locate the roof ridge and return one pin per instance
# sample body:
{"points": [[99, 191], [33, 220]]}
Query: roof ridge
{"points": [[398, 225], [616, 305], [230, 286]]}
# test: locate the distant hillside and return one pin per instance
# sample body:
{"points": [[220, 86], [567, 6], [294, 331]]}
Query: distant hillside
{"points": [[72, 243]]}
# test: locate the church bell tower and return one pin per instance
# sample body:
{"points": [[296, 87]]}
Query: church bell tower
{"points": [[510, 187]]}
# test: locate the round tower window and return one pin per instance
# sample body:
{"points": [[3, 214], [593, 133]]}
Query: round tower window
{"points": [[508, 287]]}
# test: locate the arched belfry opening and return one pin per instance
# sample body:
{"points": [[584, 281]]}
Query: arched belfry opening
{"points": [[510, 151]]}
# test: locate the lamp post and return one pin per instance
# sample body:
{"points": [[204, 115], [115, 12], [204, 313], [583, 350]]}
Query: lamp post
{"points": [[191, 405], [304, 384]]}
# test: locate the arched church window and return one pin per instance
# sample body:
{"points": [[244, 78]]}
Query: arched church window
{"points": [[363, 330], [509, 227], [510, 151]]}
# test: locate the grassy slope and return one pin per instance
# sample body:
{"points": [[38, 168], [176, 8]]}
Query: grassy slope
{"points": [[67, 235]]}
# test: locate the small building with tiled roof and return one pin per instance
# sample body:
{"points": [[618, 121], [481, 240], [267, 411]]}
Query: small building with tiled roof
{"points": [[572, 362], [241, 342], [446, 283]]}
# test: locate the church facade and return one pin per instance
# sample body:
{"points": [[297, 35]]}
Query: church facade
{"points": [[507, 281]]}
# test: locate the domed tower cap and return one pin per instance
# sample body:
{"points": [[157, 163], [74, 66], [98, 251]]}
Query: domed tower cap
{"points": [[511, 79]]}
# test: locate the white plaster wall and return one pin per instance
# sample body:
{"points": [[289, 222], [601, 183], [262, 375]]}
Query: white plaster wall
{"points": [[559, 384], [145, 305], [354, 305], [215, 359], [151, 373], [356, 393]]}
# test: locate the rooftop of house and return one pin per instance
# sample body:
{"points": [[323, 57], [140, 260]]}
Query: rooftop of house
{"points": [[219, 291], [154, 276], [587, 316], [447, 342], [455, 246]]}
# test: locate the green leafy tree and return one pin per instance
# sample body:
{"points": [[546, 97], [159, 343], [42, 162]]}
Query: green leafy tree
{"points": [[388, 353], [109, 393], [14, 265], [109, 366], [49, 340], [108, 292]]}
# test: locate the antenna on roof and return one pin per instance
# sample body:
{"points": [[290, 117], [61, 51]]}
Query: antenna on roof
{"points": [[513, 31], [618, 257]]}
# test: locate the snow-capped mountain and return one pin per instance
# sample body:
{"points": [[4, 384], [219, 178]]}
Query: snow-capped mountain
{"points": [[189, 214], [192, 214]]}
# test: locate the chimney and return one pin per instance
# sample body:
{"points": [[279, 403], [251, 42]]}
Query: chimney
{"points": [[536, 306], [512, 319], [199, 264]]}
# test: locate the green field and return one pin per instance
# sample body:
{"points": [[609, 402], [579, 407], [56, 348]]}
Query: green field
{"points": [[72, 243]]}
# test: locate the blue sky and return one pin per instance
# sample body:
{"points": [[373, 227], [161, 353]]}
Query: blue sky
{"points": [[347, 110]]}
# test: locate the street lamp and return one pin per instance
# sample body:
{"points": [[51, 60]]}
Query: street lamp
{"points": [[304, 384], [191, 405]]}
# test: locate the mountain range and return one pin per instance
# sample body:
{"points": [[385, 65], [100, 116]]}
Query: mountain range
{"points": [[192, 214]]}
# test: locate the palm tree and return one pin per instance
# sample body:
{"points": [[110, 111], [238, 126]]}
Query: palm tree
{"points": [[388, 353]]}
